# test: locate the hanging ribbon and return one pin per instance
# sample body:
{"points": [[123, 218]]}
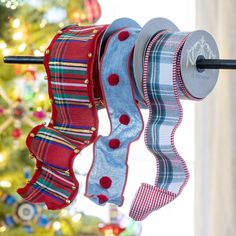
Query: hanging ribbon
{"points": [[163, 88], [107, 177], [69, 63]]}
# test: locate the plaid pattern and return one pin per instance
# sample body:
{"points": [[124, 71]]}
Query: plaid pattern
{"points": [[108, 162], [70, 76], [52, 148], [69, 71], [161, 89], [50, 185]]}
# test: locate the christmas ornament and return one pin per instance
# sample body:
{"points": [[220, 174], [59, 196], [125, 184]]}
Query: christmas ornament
{"points": [[92, 10], [16, 113], [112, 228], [25, 214], [18, 108]]}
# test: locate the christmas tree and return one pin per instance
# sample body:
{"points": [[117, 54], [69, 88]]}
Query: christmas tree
{"points": [[26, 29]]}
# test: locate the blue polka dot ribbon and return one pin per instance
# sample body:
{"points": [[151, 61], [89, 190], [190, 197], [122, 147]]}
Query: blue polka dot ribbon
{"points": [[107, 177]]}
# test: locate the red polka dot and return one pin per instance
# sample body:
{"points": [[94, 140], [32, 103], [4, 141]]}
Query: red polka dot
{"points": [[105, 182], [124, 119], [123, 35], [113, 79], [114, 143], [102, 198]]}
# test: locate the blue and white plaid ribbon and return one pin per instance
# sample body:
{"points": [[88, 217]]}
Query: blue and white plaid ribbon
{"points": [[163, 88]]}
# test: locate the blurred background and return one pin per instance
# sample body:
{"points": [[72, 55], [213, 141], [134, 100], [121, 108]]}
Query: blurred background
{"points": [[205, 138]]}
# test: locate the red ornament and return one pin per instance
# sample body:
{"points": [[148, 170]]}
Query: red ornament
{"points": [[19, 99], [18, 112], [105, 182], [113, 229], [123, 35], [113, 79], [16, 133], [102, 198], [39, 115], [114, 143], [92, 10], [124, 119]]}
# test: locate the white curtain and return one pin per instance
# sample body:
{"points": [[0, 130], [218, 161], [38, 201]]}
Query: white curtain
{"points": [[215, 198]]}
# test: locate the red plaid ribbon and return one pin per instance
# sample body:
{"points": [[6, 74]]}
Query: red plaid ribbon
{"points": [[70, 63]]}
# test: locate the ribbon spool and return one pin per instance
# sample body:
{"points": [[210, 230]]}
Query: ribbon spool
{"points": [[199, 83], [199, 44], [169, 73], [112, 28], [150, 29]]}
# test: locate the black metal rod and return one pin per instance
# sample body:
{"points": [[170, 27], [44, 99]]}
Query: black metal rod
{"points": [[23, 60], [216, 64], [200, 63]]}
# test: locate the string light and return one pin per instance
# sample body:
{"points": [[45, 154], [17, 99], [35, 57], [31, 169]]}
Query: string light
{"points": [[18, 35], [5, 184], [1, 157], [39, 109], [16, 23], [38, 53], [76, 16], [83, 16], [43, 23], [42, 48], [61, 24], [3, 45], [6, 52], [64, 212], [57, 225], [22, 47], [8, 4], [12, 4], [41, 97], [76, 218], [3, 229]]}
